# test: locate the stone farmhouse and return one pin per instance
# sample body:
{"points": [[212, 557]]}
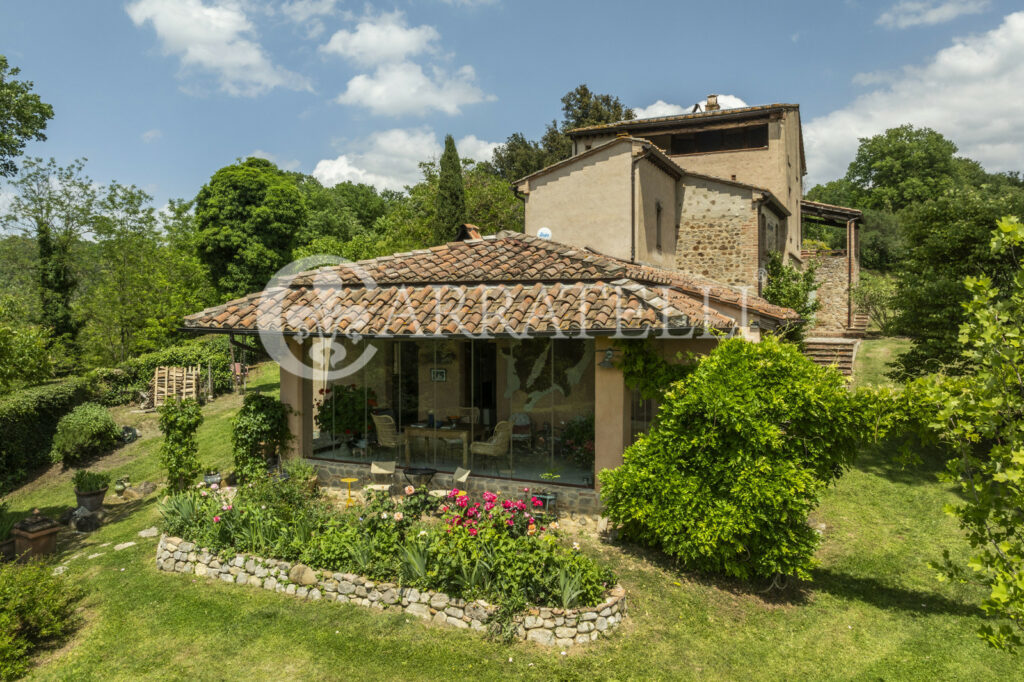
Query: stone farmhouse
{"points": [[498, 354]]}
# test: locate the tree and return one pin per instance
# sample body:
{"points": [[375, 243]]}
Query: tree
{"points": [[947, 241], [580, 107], [903, 166], [247, 217], [740, 453], [981, 416], [127, 285], [23, 117], [451, 194], [792, 288], [55, 205]]}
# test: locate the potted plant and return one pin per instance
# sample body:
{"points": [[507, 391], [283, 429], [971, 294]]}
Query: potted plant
{"points": [[546, 496], [211, 476], [6, 540], [90, 488]]}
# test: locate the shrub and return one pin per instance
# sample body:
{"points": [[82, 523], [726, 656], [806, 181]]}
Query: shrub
{"points": [[28, 420], [37, 608], [87, 431], [739, 455], [259, 431], [179, 420], [90, 481], [875, 295], [7, 522], [792, 288], [124, 383]]}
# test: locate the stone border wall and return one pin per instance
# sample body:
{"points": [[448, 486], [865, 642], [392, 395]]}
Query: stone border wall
{"points": [[546, 626]]}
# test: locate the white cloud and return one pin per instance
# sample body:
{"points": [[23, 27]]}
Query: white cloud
{"points": [[907, 13], [301, 11], [284, 164], [151, 135], [215, 38], [663, 108], [389, 159], [404, 88], [970, 91], [382, 39]]}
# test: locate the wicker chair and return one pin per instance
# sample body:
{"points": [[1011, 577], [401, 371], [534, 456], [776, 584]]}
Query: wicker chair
{"points": [[459, 478], [379, 473], [388, 434], [498, 445]]}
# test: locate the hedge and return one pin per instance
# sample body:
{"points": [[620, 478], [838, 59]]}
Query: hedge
{"points": [[122, 385], [28, 420]]}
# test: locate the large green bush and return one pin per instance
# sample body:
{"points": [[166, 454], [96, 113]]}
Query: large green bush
{"points": [[179, 454], [37, 608], [258, 432], [742, 449], [28, 421], [124, 383], [87, 431]]}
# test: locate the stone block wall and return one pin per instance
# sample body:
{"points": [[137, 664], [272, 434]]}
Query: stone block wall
{"points": [[833, 291], [546, 626], [718, 233], [570, 498]]}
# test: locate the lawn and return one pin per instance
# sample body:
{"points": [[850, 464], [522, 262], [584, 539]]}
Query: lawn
{"points": [[873, 610], [874, 357]]}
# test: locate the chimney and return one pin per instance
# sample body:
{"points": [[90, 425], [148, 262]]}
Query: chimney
{"points": [[467, 231], [712, 104]]}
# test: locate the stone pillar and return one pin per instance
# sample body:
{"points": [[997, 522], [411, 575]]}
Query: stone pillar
{"points": [[611, 412], [297, 393]]}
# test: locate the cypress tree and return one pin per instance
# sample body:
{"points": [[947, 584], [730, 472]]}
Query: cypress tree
{"points": [[451, 194]]}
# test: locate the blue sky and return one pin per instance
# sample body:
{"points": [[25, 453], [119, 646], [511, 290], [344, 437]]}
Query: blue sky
{"points": [[162, 93]]}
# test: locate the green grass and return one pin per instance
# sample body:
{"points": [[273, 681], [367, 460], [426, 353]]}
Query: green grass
{"points": [[874, 357], [873, 610]]}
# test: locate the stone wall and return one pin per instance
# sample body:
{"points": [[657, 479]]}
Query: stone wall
{"points": [[718, 232], [547, 626], [833, 291], [570, 498]]}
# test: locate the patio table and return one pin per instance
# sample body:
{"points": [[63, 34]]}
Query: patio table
{"points": [[420, 472], [444, 433]]}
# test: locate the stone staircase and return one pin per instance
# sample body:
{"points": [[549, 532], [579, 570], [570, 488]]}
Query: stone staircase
{"points": [[832, 351], [859, 328]]}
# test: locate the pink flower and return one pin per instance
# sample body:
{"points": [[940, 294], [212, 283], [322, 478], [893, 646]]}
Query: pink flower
{"points": [[454, 492], [216, 519], [489, 497], [444, 507], [224, 507], [399, 516], [204, 493], [537, 503], [489, 506], [507, 504], [462, 501], [511, 522], [472, 531], [214, 486], [409, 490]]}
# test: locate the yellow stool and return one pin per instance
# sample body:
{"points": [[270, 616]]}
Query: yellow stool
{"points": [[349, 481]]}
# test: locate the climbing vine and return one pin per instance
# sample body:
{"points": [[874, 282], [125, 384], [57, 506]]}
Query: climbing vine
{"points": [[646, 371]]}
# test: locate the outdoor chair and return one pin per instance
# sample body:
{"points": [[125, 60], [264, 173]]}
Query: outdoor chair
{"points": [[389, 436], [522, 429], [497, 446], [379, 473], [459, 479]]}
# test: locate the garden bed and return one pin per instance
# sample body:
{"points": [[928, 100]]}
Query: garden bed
{"points": [[547, 626]]}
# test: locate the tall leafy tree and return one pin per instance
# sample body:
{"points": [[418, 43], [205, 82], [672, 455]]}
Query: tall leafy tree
{"points": [[247, 217], [127, 283], [520, 156], [23, 117], [451, 194], [948, 240], [55, 205]]}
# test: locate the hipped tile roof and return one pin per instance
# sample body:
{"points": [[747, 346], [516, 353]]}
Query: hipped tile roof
{"points": [[501, 285]]}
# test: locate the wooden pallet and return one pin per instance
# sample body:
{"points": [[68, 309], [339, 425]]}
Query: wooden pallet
{"points": [[175, 382]]}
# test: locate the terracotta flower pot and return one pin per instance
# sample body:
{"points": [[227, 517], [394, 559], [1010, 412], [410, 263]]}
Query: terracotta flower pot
{"points": [[93, 500]]}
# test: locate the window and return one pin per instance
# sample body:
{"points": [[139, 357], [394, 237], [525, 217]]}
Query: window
{"points": [[657, 225], [730, 139]]}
